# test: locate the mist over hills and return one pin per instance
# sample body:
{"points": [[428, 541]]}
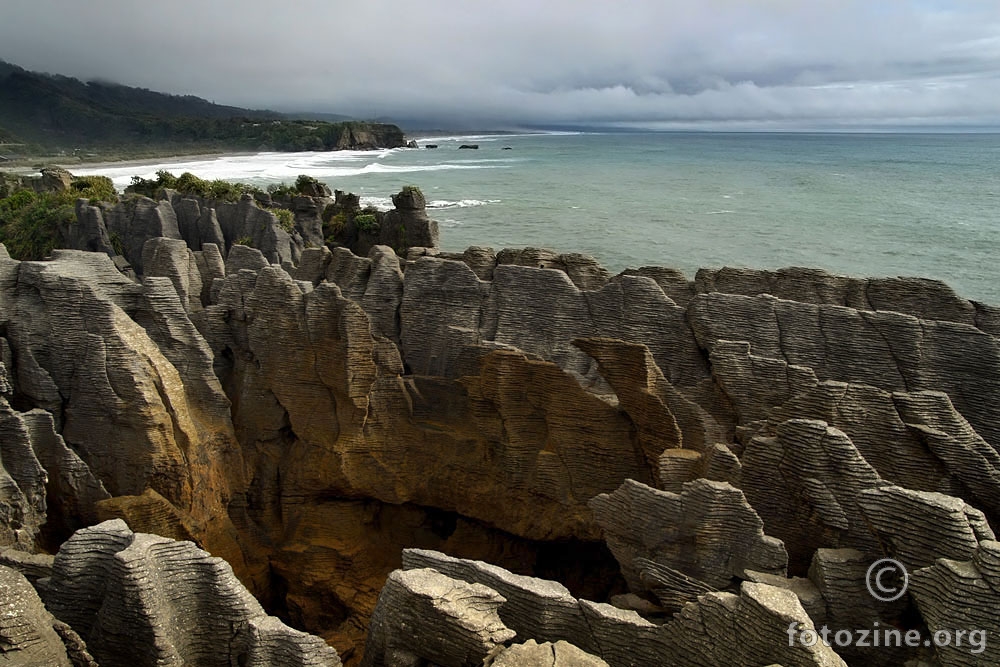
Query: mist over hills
{"points": [[51, 113]]}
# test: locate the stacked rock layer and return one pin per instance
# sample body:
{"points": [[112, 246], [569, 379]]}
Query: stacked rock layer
{"points": [[722, 457]]}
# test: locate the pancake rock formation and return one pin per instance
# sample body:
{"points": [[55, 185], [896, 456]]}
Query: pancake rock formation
{"points": [[513, 457]]}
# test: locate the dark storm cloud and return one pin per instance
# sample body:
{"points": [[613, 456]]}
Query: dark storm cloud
{"points": [[516, 62]]}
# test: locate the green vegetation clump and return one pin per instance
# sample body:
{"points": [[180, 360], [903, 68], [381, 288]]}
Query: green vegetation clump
{"points": [[189, 184], [30, 221], [285, 218], [305, 183], [334, 223], [95, 188], [244, 240], [117, 244], [366, 222], [281, 190], [412, 190], [338, 219]]}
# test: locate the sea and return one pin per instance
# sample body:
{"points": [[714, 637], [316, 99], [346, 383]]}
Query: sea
{"points": [[854, 204]]}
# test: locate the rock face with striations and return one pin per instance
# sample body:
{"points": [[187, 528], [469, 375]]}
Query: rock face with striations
{"points": [[139, 599], [307, 414], [754, 622]]}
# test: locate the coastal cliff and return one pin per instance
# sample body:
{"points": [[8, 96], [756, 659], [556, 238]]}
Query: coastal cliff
{"points": [[638, 469]]}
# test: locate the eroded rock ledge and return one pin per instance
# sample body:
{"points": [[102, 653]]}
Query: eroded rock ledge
{"points": [[722, 458]]}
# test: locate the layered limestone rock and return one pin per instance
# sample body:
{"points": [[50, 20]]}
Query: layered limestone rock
{"points": [[755, 623], [129, 385], [917, 527], [547, 654], [958, 598], [708, 532], [446, 309], [139, 599], [883, 349], [583, 270], [533, 608], [308, 413], [22, 483], [49, 491], [245, 222], [923, 298], [424, 615], [407, 224], [28, 632], [820, 468]]}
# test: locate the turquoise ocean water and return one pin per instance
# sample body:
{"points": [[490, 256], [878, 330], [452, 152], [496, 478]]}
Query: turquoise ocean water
{"points": [[858, 204]]}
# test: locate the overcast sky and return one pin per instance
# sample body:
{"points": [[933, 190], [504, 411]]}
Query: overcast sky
{"points": [[656, 63]]}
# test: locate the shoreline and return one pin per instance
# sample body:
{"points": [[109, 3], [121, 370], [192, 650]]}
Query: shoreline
{"points": [[27, 164]]}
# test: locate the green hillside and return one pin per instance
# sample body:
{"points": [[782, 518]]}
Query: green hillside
{"points": [[51, 113]]}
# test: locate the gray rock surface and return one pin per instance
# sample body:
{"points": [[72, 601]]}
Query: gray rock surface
{"points": [[754, 624], [422, 614], [22, 483], [137, 220], [27, 632], [582, 270], [708, 532], [407, 224], [171, 258], [960, 597], [246, 220], [533, 608], [888, 350], [819, 467], [547, 654], [918, 527], [140, 599], [244, 403], [921, 297], [841, 579], [210, 266]]}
